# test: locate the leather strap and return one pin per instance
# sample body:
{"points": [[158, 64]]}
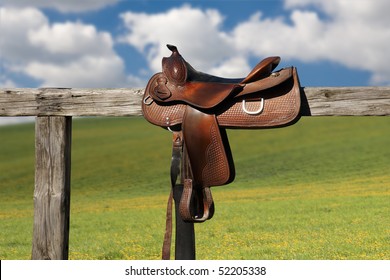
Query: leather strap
{"points": [[166, 249], [177, 151]]}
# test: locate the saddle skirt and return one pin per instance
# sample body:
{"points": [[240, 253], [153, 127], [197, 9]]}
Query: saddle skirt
{"points": [[198, 107]]}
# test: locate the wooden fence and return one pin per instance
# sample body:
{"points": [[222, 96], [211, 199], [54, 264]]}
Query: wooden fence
{"points": [[55, 107]]}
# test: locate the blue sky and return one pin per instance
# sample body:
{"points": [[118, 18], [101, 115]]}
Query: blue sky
{"points": [[120, 43]]}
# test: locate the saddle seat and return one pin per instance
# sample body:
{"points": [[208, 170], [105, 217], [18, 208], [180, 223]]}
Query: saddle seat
{"points": [[180, 82]]}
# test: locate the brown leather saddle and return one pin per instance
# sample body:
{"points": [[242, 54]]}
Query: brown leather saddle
{"points": [[197, 107]]}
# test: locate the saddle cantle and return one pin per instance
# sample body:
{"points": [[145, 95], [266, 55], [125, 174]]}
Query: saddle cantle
{"points": [[197, 107]]}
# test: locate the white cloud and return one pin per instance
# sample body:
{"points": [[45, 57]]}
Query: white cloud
{"points": [[75, 54], [61, 5], [196, 31], [355, 35], [71, 37], [6, 83], [368, 11], [70, 54], [14, 27], [234, 67], [88, 71]]}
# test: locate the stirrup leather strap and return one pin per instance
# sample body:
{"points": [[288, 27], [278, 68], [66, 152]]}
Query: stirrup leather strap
{"points": [[177, 150]]}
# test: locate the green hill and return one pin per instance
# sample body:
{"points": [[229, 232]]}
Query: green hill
{"points": [[317, 190]]}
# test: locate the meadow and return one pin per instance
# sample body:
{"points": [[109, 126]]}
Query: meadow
{"points": [[317, 190]]}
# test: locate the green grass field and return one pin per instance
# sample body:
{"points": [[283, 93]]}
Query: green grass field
{"points": [[317, 190]]}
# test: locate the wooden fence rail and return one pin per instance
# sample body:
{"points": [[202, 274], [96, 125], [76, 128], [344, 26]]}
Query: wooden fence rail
{"points": [[55, 107], [321, 101]]}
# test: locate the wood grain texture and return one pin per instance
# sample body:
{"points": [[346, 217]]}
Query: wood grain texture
{"points": [[321, 101], [70, 102], [348, 101], [52, 188]]}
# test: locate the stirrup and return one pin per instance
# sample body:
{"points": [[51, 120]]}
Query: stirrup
{"points": [[185, 204]]}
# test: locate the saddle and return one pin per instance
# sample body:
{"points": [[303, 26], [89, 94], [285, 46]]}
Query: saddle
{"points": [[197, 108]]}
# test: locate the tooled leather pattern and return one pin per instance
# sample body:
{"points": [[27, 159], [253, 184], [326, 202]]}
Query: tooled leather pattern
{"points": [[174, 74], [216, 172], [174, 68], [185, 201], [160, 88], [278, 110]]}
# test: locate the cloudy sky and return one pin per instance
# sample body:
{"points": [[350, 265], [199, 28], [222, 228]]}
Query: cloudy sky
{"points": [[120, 43]]}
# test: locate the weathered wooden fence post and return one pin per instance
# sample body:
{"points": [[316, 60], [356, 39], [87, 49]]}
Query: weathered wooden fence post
{"points": [[53, 136]]}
